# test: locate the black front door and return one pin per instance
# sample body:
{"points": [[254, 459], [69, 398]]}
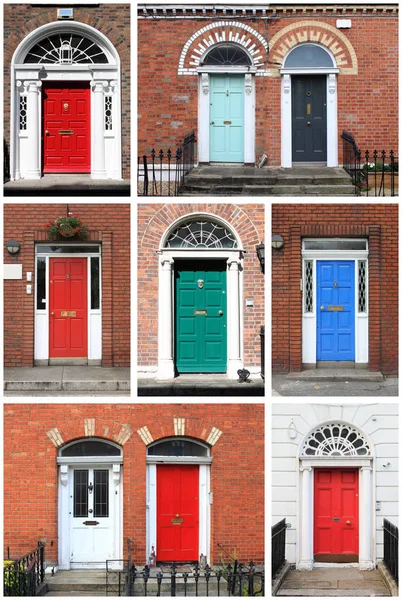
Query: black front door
{"points": [[309, 118]]}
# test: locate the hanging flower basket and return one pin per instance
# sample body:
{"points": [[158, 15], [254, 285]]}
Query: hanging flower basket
{"points": [[66, 227]]}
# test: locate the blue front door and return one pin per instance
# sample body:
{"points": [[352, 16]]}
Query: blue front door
{"points": [[335, 310], [226, 129]]}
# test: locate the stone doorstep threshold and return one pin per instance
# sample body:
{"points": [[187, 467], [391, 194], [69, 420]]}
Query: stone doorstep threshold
{"points": [[320, 593], [388, 579], [343, 374]]}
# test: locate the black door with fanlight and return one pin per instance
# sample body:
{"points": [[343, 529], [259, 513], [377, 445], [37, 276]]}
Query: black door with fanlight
{"points": [[309, 118]]}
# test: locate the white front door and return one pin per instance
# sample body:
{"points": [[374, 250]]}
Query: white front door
{"points": [[91, 516]]}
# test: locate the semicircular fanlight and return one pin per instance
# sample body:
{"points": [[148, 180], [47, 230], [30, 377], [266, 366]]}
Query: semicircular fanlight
{"points": [[335, 439], [66, 48], [201, 234], [227, 55]]}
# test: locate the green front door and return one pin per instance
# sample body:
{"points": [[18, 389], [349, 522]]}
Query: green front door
{"points": [[201, 317], [226, 133]]}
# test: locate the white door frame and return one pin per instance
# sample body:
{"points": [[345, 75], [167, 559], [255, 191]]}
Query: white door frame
{"points": [[205, 500], [26, 81], [305, 508], [66, 467], [204, 74], [94, 321], [332, 113], [309, 320]]}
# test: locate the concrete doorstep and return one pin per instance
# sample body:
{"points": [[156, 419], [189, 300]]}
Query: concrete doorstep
{"points": [[67, 379], [67, 185], [346, 375], [201, 385]]}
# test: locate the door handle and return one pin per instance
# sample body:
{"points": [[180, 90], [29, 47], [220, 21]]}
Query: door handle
{"points": [[308, 123], [47, 132], [321, 308], [221, 312], [52, 314], [212, 123], [347, 522]]}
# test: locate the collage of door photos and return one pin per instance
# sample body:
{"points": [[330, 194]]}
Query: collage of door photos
{"points": [[149, 333]]}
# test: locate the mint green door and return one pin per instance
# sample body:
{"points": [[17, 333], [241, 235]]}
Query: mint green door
{"points": [[201, 317], [226, 129]]}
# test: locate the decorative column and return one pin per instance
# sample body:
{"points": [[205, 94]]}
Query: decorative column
{"points": [[98, 170], [306, 520], [33, 169], [165, 320], [286, 118], [249, 119], [64, 554], [203, 119], [233, 320], [365, 510], [332, 121]]}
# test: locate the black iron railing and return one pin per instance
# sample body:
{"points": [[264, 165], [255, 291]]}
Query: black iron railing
{"points": [[6, 162], [373, 173], [23, 576], [123, 579], [391, 539], [278, 542], [262, 343], [162, 173]]}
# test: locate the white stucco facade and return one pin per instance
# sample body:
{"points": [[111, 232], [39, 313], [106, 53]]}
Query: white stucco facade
{"points": [[293, 473]]}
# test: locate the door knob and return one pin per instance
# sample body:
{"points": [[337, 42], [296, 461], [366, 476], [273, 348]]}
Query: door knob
{"points": [[347, 522], [321, 308], [177, 515], [221, 312], [90, 511], [212, 122], [308, 123], [47, 132], [52, 314]]}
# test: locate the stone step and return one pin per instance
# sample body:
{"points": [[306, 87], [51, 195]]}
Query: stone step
{"points": [[264, 190]]}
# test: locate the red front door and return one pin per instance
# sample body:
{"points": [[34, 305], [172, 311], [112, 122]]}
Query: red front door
{"points": [[68, 308], [66, 128], [177, 513], [336, 515]]}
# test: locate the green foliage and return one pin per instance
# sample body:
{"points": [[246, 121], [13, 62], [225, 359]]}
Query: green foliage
{"points": [[14, 582], [70, 226]]}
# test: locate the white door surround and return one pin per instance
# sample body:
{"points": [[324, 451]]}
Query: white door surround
{"points": [[94, 322], [26, 95], [166, 298], [204, 110], [309, 319], [66, 469], [305, 516]]}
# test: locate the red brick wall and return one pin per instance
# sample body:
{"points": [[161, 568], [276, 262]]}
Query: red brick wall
{"points": [[367, 101], [153, 221], [111, 20], [109, 224], [237, 471], [377, 222]]}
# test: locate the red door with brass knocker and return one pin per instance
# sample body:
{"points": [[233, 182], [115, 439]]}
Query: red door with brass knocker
{"points": [[336, 515], [68, 308], [177, 520], [66, 128]]}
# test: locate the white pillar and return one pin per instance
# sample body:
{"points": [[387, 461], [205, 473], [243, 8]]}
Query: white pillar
{"points": [[98, 170], [332, 121], [233, 321], [286, 122], [365, 525], [203, 118], [165, 320], [249, 119], [306, 524], [33, 169]]}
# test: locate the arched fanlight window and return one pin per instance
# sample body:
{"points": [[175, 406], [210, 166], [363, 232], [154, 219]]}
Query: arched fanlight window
{"points": [[201, 233], [336, 439], [227, 55], [66, 48], [177, 447], [308, 55], [92, 447]]}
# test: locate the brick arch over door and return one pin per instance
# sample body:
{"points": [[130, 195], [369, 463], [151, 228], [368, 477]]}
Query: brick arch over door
{"points": [[319, 33], [180, 426]]}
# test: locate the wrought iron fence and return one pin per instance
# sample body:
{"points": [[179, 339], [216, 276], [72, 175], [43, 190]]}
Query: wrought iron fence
{"points": [[278, 542], [391, 541], [6, 162], [373, 173], [125, 579], [23, 576], [262, 342], [162, 173]]}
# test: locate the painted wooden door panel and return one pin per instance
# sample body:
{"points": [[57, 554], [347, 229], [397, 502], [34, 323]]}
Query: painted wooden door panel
{"points": [[335, 310], [68, 294], [66, 128], [201, 317], [336, 515], [309, 118], [227, 118], [91, 518], [177, 512]]}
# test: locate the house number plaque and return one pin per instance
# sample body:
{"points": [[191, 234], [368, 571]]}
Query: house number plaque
{"points": [[68, 313], [336, 308]]}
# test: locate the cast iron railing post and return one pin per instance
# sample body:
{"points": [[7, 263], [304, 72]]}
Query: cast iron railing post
{"points": [[146, 177], [173, 580], [278, 540], [159, 577]]}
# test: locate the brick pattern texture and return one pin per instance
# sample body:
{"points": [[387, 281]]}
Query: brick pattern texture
{"points": [[112, 20], [108, 224], [378, 223], [367, 100], [153, 221], [237, 471]]}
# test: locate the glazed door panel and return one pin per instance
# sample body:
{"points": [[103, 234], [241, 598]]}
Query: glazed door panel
{"points": [[227, 118], [66, 128], [68, 322], [335, 310], [177, 512], [92, 536], [201, 317], [309, 118], [336, 515]]}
